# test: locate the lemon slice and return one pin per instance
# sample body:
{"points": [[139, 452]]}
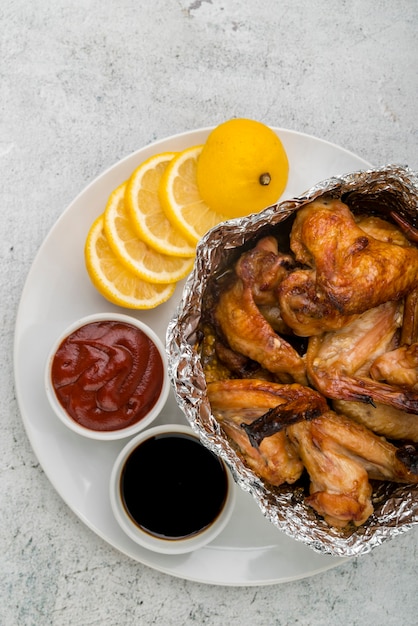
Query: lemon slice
{"points": [[180, 198], [135, 254], [113, 280], [148, 217]]}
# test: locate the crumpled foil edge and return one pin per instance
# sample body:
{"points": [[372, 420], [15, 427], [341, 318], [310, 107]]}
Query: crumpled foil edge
{"points": [[396, 506]]}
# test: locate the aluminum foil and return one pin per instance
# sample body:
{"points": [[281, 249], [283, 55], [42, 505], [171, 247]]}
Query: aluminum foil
{"points": [[395, 506]]}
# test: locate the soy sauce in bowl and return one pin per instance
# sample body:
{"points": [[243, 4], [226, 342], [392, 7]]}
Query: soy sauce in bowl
{"points": [[169, 493], [184, 489]]}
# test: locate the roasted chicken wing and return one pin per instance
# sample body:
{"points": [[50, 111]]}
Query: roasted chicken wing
{"points": [[234, 402], [263, 268], [340, 457], [381, 418], [243, 325], [338, 362], [340, 490], [398, 367], [382, 230], [355, 271], [308, 304], [305, 308]]}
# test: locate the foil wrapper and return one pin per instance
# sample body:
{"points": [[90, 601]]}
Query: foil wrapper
{"points": [[390, 188]]}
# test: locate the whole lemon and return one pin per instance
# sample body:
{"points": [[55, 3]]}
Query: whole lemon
{"points": [[242, 169]]}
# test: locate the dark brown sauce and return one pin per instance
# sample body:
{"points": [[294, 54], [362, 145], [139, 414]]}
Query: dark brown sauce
{"points": [[172, 486]]}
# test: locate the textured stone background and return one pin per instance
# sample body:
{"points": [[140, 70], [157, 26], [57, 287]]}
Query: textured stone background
{"points": [[85, 83]]}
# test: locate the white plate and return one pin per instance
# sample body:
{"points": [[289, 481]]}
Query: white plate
{"points": [[250, 551]]}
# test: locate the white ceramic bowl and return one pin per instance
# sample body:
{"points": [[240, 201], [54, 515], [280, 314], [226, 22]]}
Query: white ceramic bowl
{"points": [[163, 543], [107, 435]]}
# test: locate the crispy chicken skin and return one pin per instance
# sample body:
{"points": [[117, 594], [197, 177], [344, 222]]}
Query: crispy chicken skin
{"points": [[340, 490], [381, 418], [247, 332], [245, 328], [398, 367], [338, 362], [235, 402], [306, 309], [381, 229], [263, 268], [309, 308], [340, 457], [356, 271]]}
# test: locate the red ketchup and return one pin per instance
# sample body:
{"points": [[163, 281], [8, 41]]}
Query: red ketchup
{"points": [[107, 375]]}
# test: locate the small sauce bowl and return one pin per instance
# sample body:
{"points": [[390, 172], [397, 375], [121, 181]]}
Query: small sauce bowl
{"points": [[168, 492], [106, 376]]}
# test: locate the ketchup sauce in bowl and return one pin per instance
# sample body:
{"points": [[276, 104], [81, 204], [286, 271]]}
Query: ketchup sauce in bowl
{"points": [[170, 493], [106, 376]]}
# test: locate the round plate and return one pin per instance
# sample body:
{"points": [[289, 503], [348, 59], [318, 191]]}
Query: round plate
{"points": [[250, 551]]}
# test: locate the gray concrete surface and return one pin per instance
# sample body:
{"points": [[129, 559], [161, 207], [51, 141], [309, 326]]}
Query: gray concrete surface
{"points": [[85, 83]]}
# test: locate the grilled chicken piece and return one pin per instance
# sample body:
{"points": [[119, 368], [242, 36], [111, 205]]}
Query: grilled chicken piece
{"points": [[340, 457], [398, 367], [309, 309], [382, 419], [382, 230], [338, 362], [234, 402], [242, 324], [306, 309], [340, 490], [355, 271], [263, 268], [298, 403]]}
